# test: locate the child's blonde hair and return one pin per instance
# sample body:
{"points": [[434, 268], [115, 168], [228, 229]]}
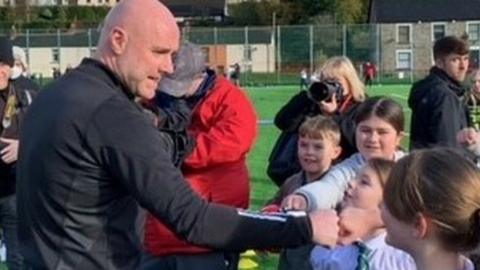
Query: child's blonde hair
{"points": [[443, 185], [320, 127]]}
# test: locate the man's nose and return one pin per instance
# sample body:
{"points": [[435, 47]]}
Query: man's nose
{"points": [[166, 65]]}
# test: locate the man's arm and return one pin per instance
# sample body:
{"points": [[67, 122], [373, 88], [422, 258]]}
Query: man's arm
{"points": [[133, 154]]}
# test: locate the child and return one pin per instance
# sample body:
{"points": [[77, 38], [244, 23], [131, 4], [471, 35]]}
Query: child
{"points": [[365, 193], [379, 131], [432, 206], [318, 146], [472, 98]]}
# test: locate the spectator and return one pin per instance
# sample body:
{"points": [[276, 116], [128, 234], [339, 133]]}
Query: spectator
{"points": [[318, 147], [369, 72], [56, 73], [20, 74], [68, 68], [224, 127], [438, 112], [235, 74], [342, 108], [303, 79], [473, 99], [96, 157], [432, 208], [371, 251], [14, 101]]}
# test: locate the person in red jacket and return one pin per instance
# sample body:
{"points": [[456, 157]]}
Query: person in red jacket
{"points": [[224, 126]]}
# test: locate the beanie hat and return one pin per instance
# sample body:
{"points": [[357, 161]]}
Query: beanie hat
{"points": [[189, 62], [6, 53], [19, 54]]}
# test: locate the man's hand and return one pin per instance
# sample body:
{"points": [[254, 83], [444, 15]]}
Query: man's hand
{"points": [[324, 227], [10, 150], [295, 202], [356, 223]]}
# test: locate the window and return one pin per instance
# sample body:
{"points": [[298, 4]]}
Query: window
{"points": [[438, 31], [55, 55], [473, 31], [404, 33], [404, 59]]}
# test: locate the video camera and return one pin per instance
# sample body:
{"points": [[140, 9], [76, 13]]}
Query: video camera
{"points": [[324, 90]]}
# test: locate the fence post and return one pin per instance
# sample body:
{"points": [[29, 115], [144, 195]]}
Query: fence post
{"points": [[27, 45], [89, 38], [59, 46], [215, 42], [344, 40], [279, 54], [245, 57], [378, 53], [311, 47]]}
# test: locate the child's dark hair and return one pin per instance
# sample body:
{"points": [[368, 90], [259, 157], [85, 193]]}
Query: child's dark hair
{"points": [[384, 108], [443, 185], [448, 45]]}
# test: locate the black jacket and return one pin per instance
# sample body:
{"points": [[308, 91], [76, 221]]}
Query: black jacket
{"points": [[438, 112], [11, 129], [90, 159]]}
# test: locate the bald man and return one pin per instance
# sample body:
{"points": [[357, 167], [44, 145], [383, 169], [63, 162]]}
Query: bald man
{"points": [[90, 157]]}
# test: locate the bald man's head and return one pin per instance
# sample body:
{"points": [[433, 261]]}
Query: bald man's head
{"points": [[137, 42]]}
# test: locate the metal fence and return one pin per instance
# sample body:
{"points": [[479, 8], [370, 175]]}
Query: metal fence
{"points": [[275, 54]]}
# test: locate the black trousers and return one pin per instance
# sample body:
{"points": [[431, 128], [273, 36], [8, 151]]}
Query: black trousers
{"points": [[8, 224]]}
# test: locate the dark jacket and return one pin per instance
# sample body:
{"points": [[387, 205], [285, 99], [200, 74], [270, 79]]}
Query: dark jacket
{"points": [[90, 158], [438, 112], [10, 129]]}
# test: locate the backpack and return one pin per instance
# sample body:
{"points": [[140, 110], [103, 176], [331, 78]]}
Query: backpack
{"points": [[283, 161]]}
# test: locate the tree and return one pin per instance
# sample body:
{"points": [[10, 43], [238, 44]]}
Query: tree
{"points": [[351, 11]]}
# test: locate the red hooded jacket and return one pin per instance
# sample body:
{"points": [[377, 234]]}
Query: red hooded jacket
{"points": [[224, 125]]}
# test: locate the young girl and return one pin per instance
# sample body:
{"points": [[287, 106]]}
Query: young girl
{"points": [[379, 131], [365, 192], [432, 207]]}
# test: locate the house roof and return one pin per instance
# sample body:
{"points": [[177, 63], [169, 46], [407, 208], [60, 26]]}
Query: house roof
{"points": [[398, 11], [196, 8]]}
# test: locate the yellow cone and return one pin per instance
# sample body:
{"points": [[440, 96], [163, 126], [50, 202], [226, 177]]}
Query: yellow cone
{"points": [[246, 263]]}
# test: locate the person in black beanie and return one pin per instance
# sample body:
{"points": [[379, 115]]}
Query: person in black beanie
{"points": [[14, 101]]}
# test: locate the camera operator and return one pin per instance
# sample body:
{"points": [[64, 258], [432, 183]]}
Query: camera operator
{"points": [[336, 94]]}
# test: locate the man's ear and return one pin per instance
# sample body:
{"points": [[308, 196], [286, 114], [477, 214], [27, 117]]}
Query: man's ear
{"points": [[421, 226], [118, 40], [440, 63]]}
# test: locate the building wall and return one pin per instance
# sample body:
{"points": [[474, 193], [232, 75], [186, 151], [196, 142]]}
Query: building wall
{"points": [[421, 44], [262, 57], [41, 59]]}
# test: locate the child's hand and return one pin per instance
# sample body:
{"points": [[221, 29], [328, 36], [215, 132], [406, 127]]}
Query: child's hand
{"points": [[357, 223], [325, 228], [295, 202]]}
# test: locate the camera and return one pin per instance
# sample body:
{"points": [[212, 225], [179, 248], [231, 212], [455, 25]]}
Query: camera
{"points": [[324, 90]]}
